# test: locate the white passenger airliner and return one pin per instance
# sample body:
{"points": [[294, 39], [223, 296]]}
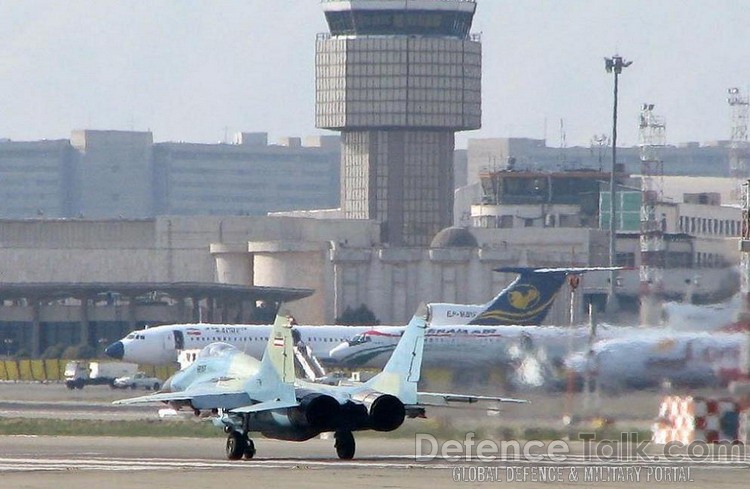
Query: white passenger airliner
{"points": [[470, 346], [526, 301], [683, 358], [161, 345]]}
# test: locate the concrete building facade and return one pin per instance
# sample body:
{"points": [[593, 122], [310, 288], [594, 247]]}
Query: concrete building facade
{"points": [[70, 281], [81, 280], [710, 159], [398, 79], [124, 174], [246, 178], [114, 173], [37, 179], [74, 280], [700, 234]]}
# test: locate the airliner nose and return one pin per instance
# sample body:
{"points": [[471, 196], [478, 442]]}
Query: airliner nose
{"points": [[337, 352], [115, 350]]}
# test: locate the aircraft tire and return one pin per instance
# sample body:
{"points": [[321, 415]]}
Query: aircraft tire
{"points": [[249, 448], [345, 445], [236, 444]]}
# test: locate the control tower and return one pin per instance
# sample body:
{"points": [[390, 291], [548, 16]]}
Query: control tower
{"points": [[398, 78]]}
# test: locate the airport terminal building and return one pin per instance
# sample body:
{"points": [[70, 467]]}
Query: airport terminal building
{"points": [[91, 281]]}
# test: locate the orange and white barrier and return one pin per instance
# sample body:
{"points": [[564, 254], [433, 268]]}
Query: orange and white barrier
{"points": [[689, 419]]}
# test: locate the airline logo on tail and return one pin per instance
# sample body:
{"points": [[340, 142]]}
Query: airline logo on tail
{"points": [[527, 300], [524, 297]]}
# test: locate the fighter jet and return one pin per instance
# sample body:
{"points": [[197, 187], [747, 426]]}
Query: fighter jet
{"points": [[251, 396]]}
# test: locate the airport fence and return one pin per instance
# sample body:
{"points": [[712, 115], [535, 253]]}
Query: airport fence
{"points": [[51, 370]]}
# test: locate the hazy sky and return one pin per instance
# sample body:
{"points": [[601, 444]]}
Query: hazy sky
{"points": [[196, 70]]}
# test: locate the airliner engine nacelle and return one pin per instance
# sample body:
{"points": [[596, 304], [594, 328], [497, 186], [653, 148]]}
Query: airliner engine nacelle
{"points": [[316, 411], [384, 411]]}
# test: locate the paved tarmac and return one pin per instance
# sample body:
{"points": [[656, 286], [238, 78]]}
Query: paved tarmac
{"points": [[42, 462], [38, 462]]}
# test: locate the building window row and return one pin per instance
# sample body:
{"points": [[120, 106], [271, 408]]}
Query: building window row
{"points": [[709, 226], [710, 260]]}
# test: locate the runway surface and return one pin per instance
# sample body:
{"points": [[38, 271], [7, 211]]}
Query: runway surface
{"points": [[45, 462], [38, 462]]}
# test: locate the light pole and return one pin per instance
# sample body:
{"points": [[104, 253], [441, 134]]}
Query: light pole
{"points": [[615, 64]]}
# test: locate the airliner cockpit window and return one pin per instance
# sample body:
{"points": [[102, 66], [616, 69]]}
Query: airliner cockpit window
{"points": [[131, 336], [216, 350], [359, 339]]}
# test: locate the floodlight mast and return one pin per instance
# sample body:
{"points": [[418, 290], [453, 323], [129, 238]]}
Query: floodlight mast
{"points": [[615, 65]]}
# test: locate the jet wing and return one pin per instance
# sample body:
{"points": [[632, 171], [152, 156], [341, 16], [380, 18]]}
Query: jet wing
{"points": [[443, 399], [265, 406], [160, 397], [214, 400], [208, 400], [203, 396]]}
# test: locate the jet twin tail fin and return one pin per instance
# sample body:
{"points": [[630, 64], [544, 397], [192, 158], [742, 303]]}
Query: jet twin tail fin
{"points": [[275, 379], [401, 374]]}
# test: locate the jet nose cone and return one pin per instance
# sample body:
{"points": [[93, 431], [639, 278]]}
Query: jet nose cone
{"points": [[115, 350]]}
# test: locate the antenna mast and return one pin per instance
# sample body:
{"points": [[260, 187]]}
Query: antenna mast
{"points": [[651, 140]]}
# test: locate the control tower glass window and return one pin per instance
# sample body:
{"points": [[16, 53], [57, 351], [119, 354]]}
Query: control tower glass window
{"points": [[399, 22]]}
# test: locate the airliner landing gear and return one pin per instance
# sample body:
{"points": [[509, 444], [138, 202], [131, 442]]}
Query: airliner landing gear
{"points": [[344, 445]]}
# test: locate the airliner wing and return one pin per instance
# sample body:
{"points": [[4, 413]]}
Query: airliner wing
{"points": [[442, 399]]}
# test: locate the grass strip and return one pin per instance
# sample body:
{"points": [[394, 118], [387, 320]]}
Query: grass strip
{"points": [[205, 429], [84, 427]]}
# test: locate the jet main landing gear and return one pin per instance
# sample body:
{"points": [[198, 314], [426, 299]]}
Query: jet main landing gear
{"points": [[345, 445], [239, 445]]}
